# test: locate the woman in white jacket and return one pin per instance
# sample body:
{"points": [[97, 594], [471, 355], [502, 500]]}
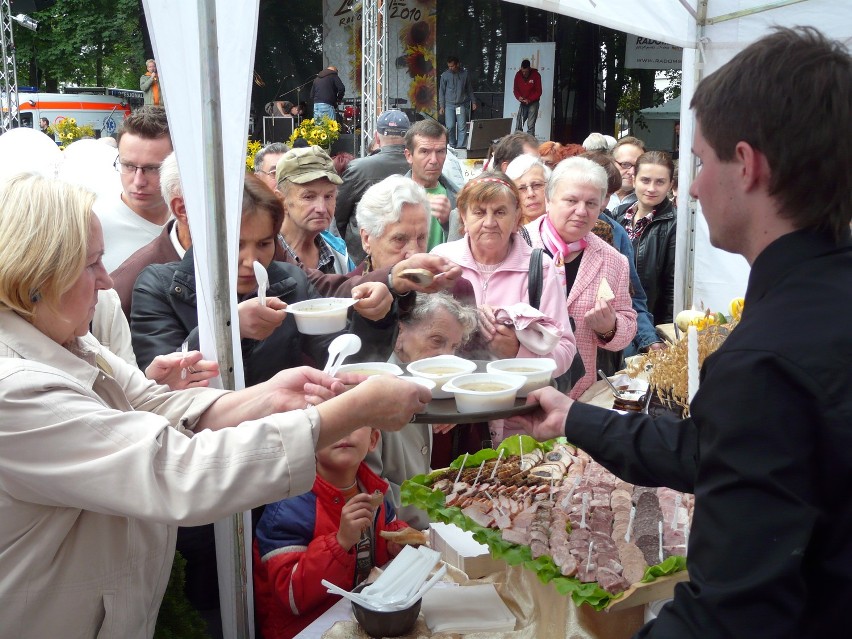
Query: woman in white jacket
{"points": [[98, 465]]}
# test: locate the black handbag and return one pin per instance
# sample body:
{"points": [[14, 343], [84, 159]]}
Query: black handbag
{"points": [[577, 369]]}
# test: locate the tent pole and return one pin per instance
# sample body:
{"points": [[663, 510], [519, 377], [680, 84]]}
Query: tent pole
{"points": [[217, 250]]}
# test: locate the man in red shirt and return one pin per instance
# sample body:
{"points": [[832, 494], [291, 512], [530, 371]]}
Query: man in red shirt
{"points": [[528, 92]]}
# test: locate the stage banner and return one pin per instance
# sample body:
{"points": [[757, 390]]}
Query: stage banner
{"points": [[644, 53], [411, 74], [542, 56]]}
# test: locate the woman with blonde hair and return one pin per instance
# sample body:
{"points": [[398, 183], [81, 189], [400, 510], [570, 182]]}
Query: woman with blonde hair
{"points": [[100, 465]]}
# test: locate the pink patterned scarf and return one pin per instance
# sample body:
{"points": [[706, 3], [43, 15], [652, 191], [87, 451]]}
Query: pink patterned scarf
{"points": [[554, 243]]}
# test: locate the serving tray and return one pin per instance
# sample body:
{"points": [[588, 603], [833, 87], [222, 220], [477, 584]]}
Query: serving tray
{"points": [[444, 411]]}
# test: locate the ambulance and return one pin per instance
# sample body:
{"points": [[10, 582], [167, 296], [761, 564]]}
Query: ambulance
{"points": [[102, 109]]}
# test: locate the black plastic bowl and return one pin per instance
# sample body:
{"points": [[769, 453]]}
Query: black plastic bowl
{"points": [[385, 624]]}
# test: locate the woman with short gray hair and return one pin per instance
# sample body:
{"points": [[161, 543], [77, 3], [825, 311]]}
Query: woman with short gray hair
{"points": [[393, 219]]}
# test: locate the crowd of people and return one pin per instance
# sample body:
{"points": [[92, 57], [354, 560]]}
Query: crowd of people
{"points": [[116, 452]]}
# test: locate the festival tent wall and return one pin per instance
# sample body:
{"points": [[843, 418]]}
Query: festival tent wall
{"points": [[711, 33], [656, 126]]}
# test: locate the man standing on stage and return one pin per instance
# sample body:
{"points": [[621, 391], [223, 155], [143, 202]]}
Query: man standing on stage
{"points": [[528, 93], [455, 97], [326, 93]]}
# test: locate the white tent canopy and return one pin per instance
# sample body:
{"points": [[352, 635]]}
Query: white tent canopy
{"points": [[704, 275]]}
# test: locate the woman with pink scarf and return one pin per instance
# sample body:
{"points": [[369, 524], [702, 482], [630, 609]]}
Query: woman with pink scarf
{"points": [[595, 275]]}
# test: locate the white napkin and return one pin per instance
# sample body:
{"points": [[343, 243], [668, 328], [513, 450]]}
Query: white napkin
{"points": [[466, 609], [535, 330]]}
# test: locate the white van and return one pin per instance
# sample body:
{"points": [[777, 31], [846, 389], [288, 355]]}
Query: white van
{"points": [[102, 112]]}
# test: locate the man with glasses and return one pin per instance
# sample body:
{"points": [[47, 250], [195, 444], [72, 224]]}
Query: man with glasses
{"points": [[138, 215], [625, 153], [265, 161]]}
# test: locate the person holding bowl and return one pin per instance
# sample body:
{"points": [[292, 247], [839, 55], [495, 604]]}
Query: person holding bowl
{"points": [[100, 465], [595, 276], [163, 314]]}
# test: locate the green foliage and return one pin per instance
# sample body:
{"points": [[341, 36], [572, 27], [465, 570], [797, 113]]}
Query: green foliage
{"points": [[83, 43], [177, 618]]}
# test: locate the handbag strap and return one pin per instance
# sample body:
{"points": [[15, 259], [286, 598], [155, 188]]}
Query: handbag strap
{"points": [[535, 278]]}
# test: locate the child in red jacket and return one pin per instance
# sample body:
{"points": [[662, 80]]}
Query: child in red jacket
{"points": [[329, 533]]}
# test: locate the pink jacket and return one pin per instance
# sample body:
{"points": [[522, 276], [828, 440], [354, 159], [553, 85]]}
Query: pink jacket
{"points": [[510, 285], [599, 260]]}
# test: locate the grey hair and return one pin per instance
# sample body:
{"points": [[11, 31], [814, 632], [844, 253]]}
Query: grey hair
{"points": [[382, 203], [580, 170], [596, 142], [523, 163], [170, 185], [272, 147], [426, 305]]}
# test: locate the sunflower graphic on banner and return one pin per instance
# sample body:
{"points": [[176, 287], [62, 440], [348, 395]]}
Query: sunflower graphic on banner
{"points": [[411, 76]]}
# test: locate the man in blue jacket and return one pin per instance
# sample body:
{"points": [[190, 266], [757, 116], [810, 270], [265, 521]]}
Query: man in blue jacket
{"points": [[455, 99]]}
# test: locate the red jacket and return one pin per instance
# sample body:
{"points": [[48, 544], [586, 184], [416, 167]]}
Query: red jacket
{"points": [[528, 88], [296, 547]]}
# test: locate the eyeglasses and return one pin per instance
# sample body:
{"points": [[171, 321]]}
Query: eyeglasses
{"points": [[626, 165], [532, 187], [270, 172], [130, 169]]}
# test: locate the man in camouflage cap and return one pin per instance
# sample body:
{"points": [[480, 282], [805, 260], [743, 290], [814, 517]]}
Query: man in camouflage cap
{"points": [[307, 184]]}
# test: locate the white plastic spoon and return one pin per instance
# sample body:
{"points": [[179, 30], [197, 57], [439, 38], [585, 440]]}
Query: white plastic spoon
{"points": [[339, 349], [262, 278]]}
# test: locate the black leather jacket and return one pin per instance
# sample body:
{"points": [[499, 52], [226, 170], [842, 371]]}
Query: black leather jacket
{"points": [[360, 175], [164, 314], [654, 253]]}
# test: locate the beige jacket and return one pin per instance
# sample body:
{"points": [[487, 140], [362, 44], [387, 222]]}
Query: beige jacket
{"points": [[96, 472]]}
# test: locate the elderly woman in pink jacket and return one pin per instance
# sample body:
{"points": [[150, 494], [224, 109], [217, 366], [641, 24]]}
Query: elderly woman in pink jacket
{"points": [[594, 274], [496, 260]]}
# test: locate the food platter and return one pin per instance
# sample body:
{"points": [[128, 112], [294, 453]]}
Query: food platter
{"points": [[443, 411], [557, 512]]}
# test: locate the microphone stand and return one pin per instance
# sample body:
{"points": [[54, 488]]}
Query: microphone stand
{"points": [[297, 90]]}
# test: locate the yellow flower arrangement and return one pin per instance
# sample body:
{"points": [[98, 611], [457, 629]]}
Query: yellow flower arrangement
{"points": [[252, 147], [321, 133], [67, 131]]}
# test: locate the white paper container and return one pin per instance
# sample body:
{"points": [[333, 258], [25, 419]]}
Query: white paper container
{"points": [[422, 368], [535, 379], [475, 401], [322, 315]]}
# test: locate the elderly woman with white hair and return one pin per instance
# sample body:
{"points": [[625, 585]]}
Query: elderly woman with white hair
{"points": [[437, 325], [596, 277], [530, 175], [393, 219]]}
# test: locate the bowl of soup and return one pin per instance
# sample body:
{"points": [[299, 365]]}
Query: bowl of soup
{"points": [[484, 392], [371, 368], [538, 371], [441, 369], [322, 315]]}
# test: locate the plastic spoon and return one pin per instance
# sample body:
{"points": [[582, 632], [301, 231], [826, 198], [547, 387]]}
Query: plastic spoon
{"points": [[184, 349], [262, 278], [603, 376], [340, 348], [425, 587]]}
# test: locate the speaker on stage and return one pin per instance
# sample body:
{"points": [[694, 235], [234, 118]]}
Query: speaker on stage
{"points": [[277, 129], [347, 143]]}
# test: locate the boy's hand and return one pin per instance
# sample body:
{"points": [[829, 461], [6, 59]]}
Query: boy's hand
{"points": [[355, 518]]}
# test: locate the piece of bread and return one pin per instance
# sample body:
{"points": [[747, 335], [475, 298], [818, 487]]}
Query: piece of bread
{"points": [[605, 291], [406, 536]]}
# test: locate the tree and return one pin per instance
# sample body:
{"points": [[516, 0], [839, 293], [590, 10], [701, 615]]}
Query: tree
{"points": [[84, 43]]}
